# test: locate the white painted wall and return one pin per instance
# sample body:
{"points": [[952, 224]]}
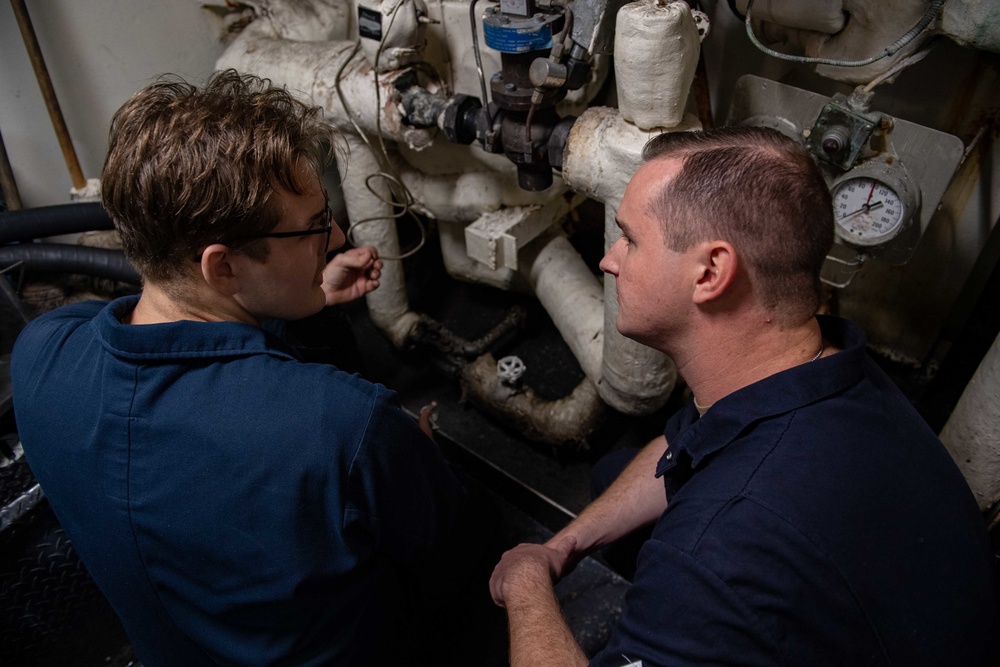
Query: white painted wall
{"points": [[98, 53]]}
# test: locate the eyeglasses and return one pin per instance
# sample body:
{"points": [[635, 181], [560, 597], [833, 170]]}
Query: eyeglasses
{"points": [[326, 228]]}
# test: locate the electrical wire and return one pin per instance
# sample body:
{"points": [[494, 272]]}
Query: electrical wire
{"points": [[388, 173], [404, 208], [929, 15]]}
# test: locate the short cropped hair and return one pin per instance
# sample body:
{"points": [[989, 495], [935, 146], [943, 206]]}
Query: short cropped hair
{"points": [[760, 191], [188, 167]]}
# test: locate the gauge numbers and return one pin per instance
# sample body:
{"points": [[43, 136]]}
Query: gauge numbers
{"points": [[867, 211]]}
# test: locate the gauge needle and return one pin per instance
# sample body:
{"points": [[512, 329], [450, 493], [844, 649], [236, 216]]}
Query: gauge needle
{"points": [[864, 209], [870, 193]]}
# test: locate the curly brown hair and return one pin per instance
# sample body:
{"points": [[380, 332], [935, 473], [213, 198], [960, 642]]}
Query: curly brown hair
{"points": [[762, 192], [188, 167]]}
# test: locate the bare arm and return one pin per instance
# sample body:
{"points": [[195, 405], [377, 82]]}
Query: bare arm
{"points": [[635, 499], [522, 582], [524, 578]]}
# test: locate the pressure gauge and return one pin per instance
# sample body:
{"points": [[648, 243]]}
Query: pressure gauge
{"points": [[873, 205], [868, 211]]}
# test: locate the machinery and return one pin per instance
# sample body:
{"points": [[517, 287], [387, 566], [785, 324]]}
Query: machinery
{"points": [[491, 131], [489, 119]]}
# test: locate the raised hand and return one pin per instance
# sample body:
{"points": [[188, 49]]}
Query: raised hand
{"points": [[351, 274]]}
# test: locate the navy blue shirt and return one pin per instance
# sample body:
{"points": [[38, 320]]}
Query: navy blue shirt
{"points": [[813, 519], [235, 505]]}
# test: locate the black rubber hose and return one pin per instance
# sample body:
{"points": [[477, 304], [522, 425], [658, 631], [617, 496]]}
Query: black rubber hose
{"points": [[60, 258], [37, 223]]}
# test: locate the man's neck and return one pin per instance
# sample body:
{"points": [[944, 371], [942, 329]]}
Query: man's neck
{"points": [[158, 306], [738, 356]]}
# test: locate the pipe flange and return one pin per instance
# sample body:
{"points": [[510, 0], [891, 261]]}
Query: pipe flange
{"points": [[510, 369]]}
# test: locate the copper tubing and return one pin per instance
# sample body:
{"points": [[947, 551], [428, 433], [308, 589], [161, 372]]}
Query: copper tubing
{"points": [[48, 93], [8, 185]]}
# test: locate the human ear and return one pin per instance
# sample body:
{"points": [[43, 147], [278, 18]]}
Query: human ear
{"points": [[219, 270], [717, 265]]}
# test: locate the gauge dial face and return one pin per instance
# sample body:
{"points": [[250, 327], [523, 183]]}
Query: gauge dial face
{"points": [[867, 211]]}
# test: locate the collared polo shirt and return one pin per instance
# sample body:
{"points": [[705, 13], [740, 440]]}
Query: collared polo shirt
{"points": [[235, 505], [813, 519]]}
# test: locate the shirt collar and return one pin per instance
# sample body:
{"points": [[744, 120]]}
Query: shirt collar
{"points": [[182, 340], [774, 395]]}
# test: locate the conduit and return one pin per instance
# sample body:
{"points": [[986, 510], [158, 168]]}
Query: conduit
{"points": [[59, 258], [44, 221]]}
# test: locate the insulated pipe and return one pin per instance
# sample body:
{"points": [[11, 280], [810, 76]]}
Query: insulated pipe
{"points": [[463, 197], [571, 295], [568, 419], [44, 221], [59, 258], [972, 23], [656, 55], [372, 213], [972, 434], [602, 153], [317, 69], [48, 93]]}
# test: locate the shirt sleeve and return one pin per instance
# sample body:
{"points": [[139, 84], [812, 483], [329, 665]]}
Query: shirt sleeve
{"points": [[401, 488], [678, 612]]}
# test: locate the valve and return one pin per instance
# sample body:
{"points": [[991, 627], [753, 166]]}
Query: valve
{"points": [[510, 369]]}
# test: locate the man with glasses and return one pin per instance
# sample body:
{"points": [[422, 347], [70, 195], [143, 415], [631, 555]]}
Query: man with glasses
{"points": [[235, 504]]}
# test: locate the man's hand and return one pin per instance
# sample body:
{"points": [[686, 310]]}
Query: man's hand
{"points": [[570, 559], [528, 566], [351, 274]]}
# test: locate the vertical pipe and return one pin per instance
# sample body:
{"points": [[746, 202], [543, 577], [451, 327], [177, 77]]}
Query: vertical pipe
{"points": [[48, 93], [972, 434], [7, 183], [572, 297], [635, 379], [388, 305]]}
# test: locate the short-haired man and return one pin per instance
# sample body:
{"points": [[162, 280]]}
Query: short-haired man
{"points": [[804, 514], [236, 505]]}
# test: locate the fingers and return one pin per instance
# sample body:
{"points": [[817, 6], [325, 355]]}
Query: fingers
{"points": [[565, 546], [565, 555], [541, 562], [355, 258], [427, 418], [496, 580]]}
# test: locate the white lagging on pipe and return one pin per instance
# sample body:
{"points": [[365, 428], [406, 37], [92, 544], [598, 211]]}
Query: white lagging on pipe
{"points": [[972, 434], [572, 297], [602, 153], [388, 305], [311, 68]]}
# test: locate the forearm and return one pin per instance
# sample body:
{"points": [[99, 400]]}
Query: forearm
{"points": [[539, 635], [635, 499]]}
